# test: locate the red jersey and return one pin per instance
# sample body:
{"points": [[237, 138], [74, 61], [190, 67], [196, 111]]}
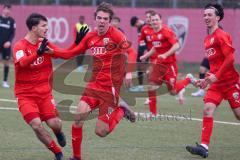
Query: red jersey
{"points": [[108, 65], [162, 40], [146, 29], [219, 48], [32, 76]]}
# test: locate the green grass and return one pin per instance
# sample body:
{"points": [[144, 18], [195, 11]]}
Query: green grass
{"points": [[143, 140]]}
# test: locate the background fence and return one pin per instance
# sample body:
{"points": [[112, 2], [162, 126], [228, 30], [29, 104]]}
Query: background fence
{"points": [[131, 3]]}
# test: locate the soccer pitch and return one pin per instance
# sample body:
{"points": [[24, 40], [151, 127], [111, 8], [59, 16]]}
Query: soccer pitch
{"points": [[164, 138]]}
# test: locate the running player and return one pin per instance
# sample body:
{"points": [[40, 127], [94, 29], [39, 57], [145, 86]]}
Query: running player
{"points": [[33, 71], [107, 45], [162, 44], [223, 79]]}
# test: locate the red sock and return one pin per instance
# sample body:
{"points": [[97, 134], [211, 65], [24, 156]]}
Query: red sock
{"points": [[182, 84], [113, 119], [207, 130], [152, 102], [76, 141], [54, 147]]}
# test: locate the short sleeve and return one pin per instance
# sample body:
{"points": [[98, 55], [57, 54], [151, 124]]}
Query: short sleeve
{"points": [[171, 36], [225, 43]]}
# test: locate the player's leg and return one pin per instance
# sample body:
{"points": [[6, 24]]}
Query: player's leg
{"points": [[212, 99], [83, 110], [233, 97], [178, 87], [203, 69], [108, 121], [49, 115], [30, 111], [44, 136], [157, 74], [140, 73], [152, 96], [6, 54]]}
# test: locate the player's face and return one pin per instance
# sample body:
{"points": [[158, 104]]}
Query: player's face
{"points": [[210, 17], [156, 22], [115, 22], [148, 18], [102, 22], [6, 11], [41, 29]]}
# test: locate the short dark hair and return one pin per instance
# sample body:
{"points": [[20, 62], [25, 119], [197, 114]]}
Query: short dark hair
{"points": [[133, 20], [105, 7], [218, 9], [117, 18], [34, 19], [7, 5]]}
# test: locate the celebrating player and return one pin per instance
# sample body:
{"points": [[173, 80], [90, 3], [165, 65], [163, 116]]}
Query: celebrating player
{"points": [[107, 45], [223, 78], [162, 44], [33, 90]]}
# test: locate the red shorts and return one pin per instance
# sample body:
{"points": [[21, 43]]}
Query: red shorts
{"points": [[216, 94], [104, 98], [164, 73], [33, 107]]}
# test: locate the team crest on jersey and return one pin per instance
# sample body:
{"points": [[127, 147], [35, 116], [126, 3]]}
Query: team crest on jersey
{"points": [[235, 95], [148, 38], [211, 40], [159, 36], [179, 25], [105, 41]]}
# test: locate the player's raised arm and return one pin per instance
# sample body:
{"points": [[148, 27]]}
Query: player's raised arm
{"points": [[77, 48]]}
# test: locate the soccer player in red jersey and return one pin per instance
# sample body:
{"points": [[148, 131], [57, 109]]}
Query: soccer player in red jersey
{"points": [[33, 89], [107, 46], [223, 79], [162, 44]]}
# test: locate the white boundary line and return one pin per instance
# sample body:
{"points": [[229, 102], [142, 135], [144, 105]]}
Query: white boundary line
{"points": [[142, 115]]}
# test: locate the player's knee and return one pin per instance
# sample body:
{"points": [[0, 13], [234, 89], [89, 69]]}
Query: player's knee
{"points": [[78, 123], [207, 112], [101, 132], [172, 92], [36, 126], [54, 123]]}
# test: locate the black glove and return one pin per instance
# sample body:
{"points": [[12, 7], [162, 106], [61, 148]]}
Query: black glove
{"points": [[42, 48], [81, 34]]}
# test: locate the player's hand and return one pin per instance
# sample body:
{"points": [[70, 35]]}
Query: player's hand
{"points": [[7, 44], [201, 83], [128, 80], [210, 78], [143, 58], [162, 56], [81, 34], [43, 47]]}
